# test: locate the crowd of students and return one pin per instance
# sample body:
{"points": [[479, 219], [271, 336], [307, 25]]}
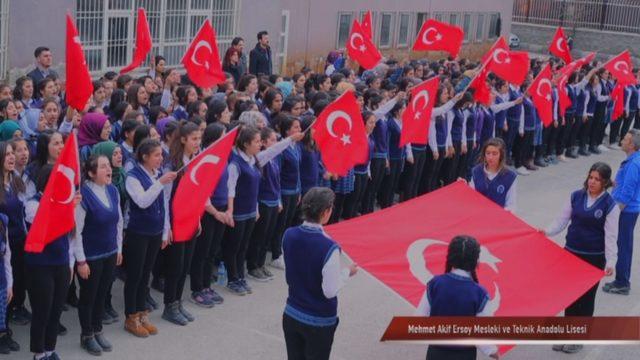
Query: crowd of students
{"points": [[136, 132]]}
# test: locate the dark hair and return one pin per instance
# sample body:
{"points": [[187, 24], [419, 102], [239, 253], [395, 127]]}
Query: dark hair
{"points": [[286, 123], [146, 147], [169, 128], [154, 113], [43, 177], [315, 202], [215, 110], [270, 96], [366, 114], [159, 58], [266, 132], [142, 133], [96, 85], [127, 127], [212, 133], [176, 148], [242, 106], [123, 80], [182, 93], [261, 34], [4, 103], [42, 147], [319, 106], [40, 50], [110, 75], [463, 254], [15, 181], [42, 84], [244, 81], [604, 170], [17, 91], [499, 143], [194, 108], [117, 96], [132, 96], [91, 165], [246, 135], [319, 80], [236, 40], [395, 111], [307, 142], [291, 101]]}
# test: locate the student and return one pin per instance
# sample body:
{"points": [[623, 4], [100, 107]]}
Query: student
{"points": [[592, 217], [457, 293], [10, 130], [587, 101], [178, 255], [6, 287], [454, 166], [98, 249], [314, 276], [94, 128], [48, 147], [48, 281], [146, 230], [355, 199], [23, 91], [243, 186], [522, 151], [397, 157], [310, 159], [214, 223], [138, 97], [185, 95], [126, 142], [492, 178]]}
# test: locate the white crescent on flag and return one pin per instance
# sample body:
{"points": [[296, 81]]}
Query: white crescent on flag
{"points": [[207, 159], [70, 175], [205, 44], [425, 37], [496, 56], [559, 45], [539, 88], [331, 119], [622, 66], [355, 35], [422, 94]]}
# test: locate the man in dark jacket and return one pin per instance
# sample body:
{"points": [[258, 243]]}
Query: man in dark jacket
{"points": [[43, 65], [260, 56]]}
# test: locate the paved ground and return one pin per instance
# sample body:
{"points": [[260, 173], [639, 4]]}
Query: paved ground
{"points": [[250, 327]]}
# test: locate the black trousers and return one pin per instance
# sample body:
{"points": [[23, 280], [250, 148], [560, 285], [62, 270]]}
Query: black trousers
{"points": [[139, 256], [355, 198], [285, 220], [234, 247], [636, 123], [585, 131], [614, 130], [178, 264], [472, 158], [338, 207], [262, 232], [391, 182], [451, 353], [412, 174], [598, 126], [377, 168], [574, 123], [93, 292], [305, 342], [549, 140], [431, 174], [626, 125], [561, 130], [206, 251], [47, 287], [523, 148], [19, 274], [584, 305]]}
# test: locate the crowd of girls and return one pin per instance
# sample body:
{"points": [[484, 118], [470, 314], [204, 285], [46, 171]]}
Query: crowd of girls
{"points": [[135, 134]]}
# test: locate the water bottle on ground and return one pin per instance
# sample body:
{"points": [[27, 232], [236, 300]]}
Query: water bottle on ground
{"points": [[222, 275]]}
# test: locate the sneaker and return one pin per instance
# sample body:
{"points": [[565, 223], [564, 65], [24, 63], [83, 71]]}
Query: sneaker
{"points": [[199, 298], [107, 319], [257, 275], [90, 344], [522, 171], [553, 160], [602, 148], [584, 152], [20, 316], [172, 314], [278, 263], [214, 296], [53, 356], [103, 342], [236, 287], [62, 330], [112, 312], [539, 162], [185, 313], [613, 288], [572, 349], [12, 344], [246, 286], [151, 302], [4, 347], [266, 272]]}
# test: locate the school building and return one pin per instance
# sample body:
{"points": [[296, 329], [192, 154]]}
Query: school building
{"points": [[302, 32]]}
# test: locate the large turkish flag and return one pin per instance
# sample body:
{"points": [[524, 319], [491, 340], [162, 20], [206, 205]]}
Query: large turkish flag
{"points": [[403, 246]]}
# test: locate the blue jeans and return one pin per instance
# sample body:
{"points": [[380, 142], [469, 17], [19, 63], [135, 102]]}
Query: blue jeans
{"points": [[625, 247]]}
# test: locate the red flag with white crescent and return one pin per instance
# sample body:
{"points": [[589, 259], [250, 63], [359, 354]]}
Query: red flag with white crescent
{"points": [[511, 66], [361, 49], [56, 212], [559, 46], [438, 36], [366, 25], [197, 184], [202, 60], [417, 115], [540, 91], [143, 42], [79, 83], [340, 134], [621, 67], [617, 96]]}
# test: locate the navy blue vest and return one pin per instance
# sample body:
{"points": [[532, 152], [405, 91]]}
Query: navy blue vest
{"points": [[55, 253], [500, 116], [586, 231], [380, 138], [362, 168], [220, 197], [456, 125], [149, 221], [269, 191], [246, 200], [306, 250], [14, 209], [471, 124], [530, 114], [100, 231], [454, 295], [394, 131], [309, 169], [496, 190], [513, 113], [580, 98], [633, 101], [290, 170], [3, 249], [591, 105], [441, 131], [572, 96], [488, 126]]}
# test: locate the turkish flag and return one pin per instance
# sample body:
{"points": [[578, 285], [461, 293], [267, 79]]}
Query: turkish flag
{"points": [[511, 66], [143, 42], [617, 95], [202, 60], [501, 43], [417, 115], [620, 67], [197, 184], [585, 60], [361, 49], [481, 91], [366, 25], [404, 246], [436, 35], [56, 212], [559, 46], [79, 84], [564, 101], [340, 135], [540, 91]]}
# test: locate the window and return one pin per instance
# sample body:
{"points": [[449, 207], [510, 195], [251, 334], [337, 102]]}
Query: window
{"points": [[480, 28], [439, 16], [283, 42], [466, 26], [494, 26], [403, 30], [4, 28], [344, 28], [386, 30], [420, 19], [107, 28], [453, 19]]}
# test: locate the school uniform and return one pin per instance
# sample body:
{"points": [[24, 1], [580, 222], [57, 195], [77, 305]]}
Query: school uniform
{"points": [[636, 122], [48, 277], [397, 157], [498, 187], [99, 225], [500, 117], [309, 169], [454, 167], [314, 277], [590, 97], [455, 294], [179, 113], [147, 224], [432, 174], [290, 189], [6, 277], [601, 93], [572, 124], [355, 199], [341, 187], [630, 108], [514, 120], [474, 131], [523, 149], [128, 156], [591, 236], [378, 164], [116, 131], [549, 133]]}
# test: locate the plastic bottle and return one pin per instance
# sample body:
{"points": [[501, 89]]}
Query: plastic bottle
{"points": [[222, 275]]}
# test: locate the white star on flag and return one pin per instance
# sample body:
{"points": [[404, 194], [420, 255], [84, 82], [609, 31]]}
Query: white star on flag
{"points": [[438, 37], [346, 139], [362, 48], [417, 115]]}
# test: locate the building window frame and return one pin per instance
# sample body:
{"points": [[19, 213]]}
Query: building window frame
{"points": [[403, 43], [390, 36], [340, 43], [480, 27], [466, 28]]}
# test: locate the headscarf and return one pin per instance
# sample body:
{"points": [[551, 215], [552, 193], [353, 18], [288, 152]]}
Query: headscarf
{"points": [[162, 124], [29, 122], [90, 128], [286, 87], [7, 129], [107, 148]]}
